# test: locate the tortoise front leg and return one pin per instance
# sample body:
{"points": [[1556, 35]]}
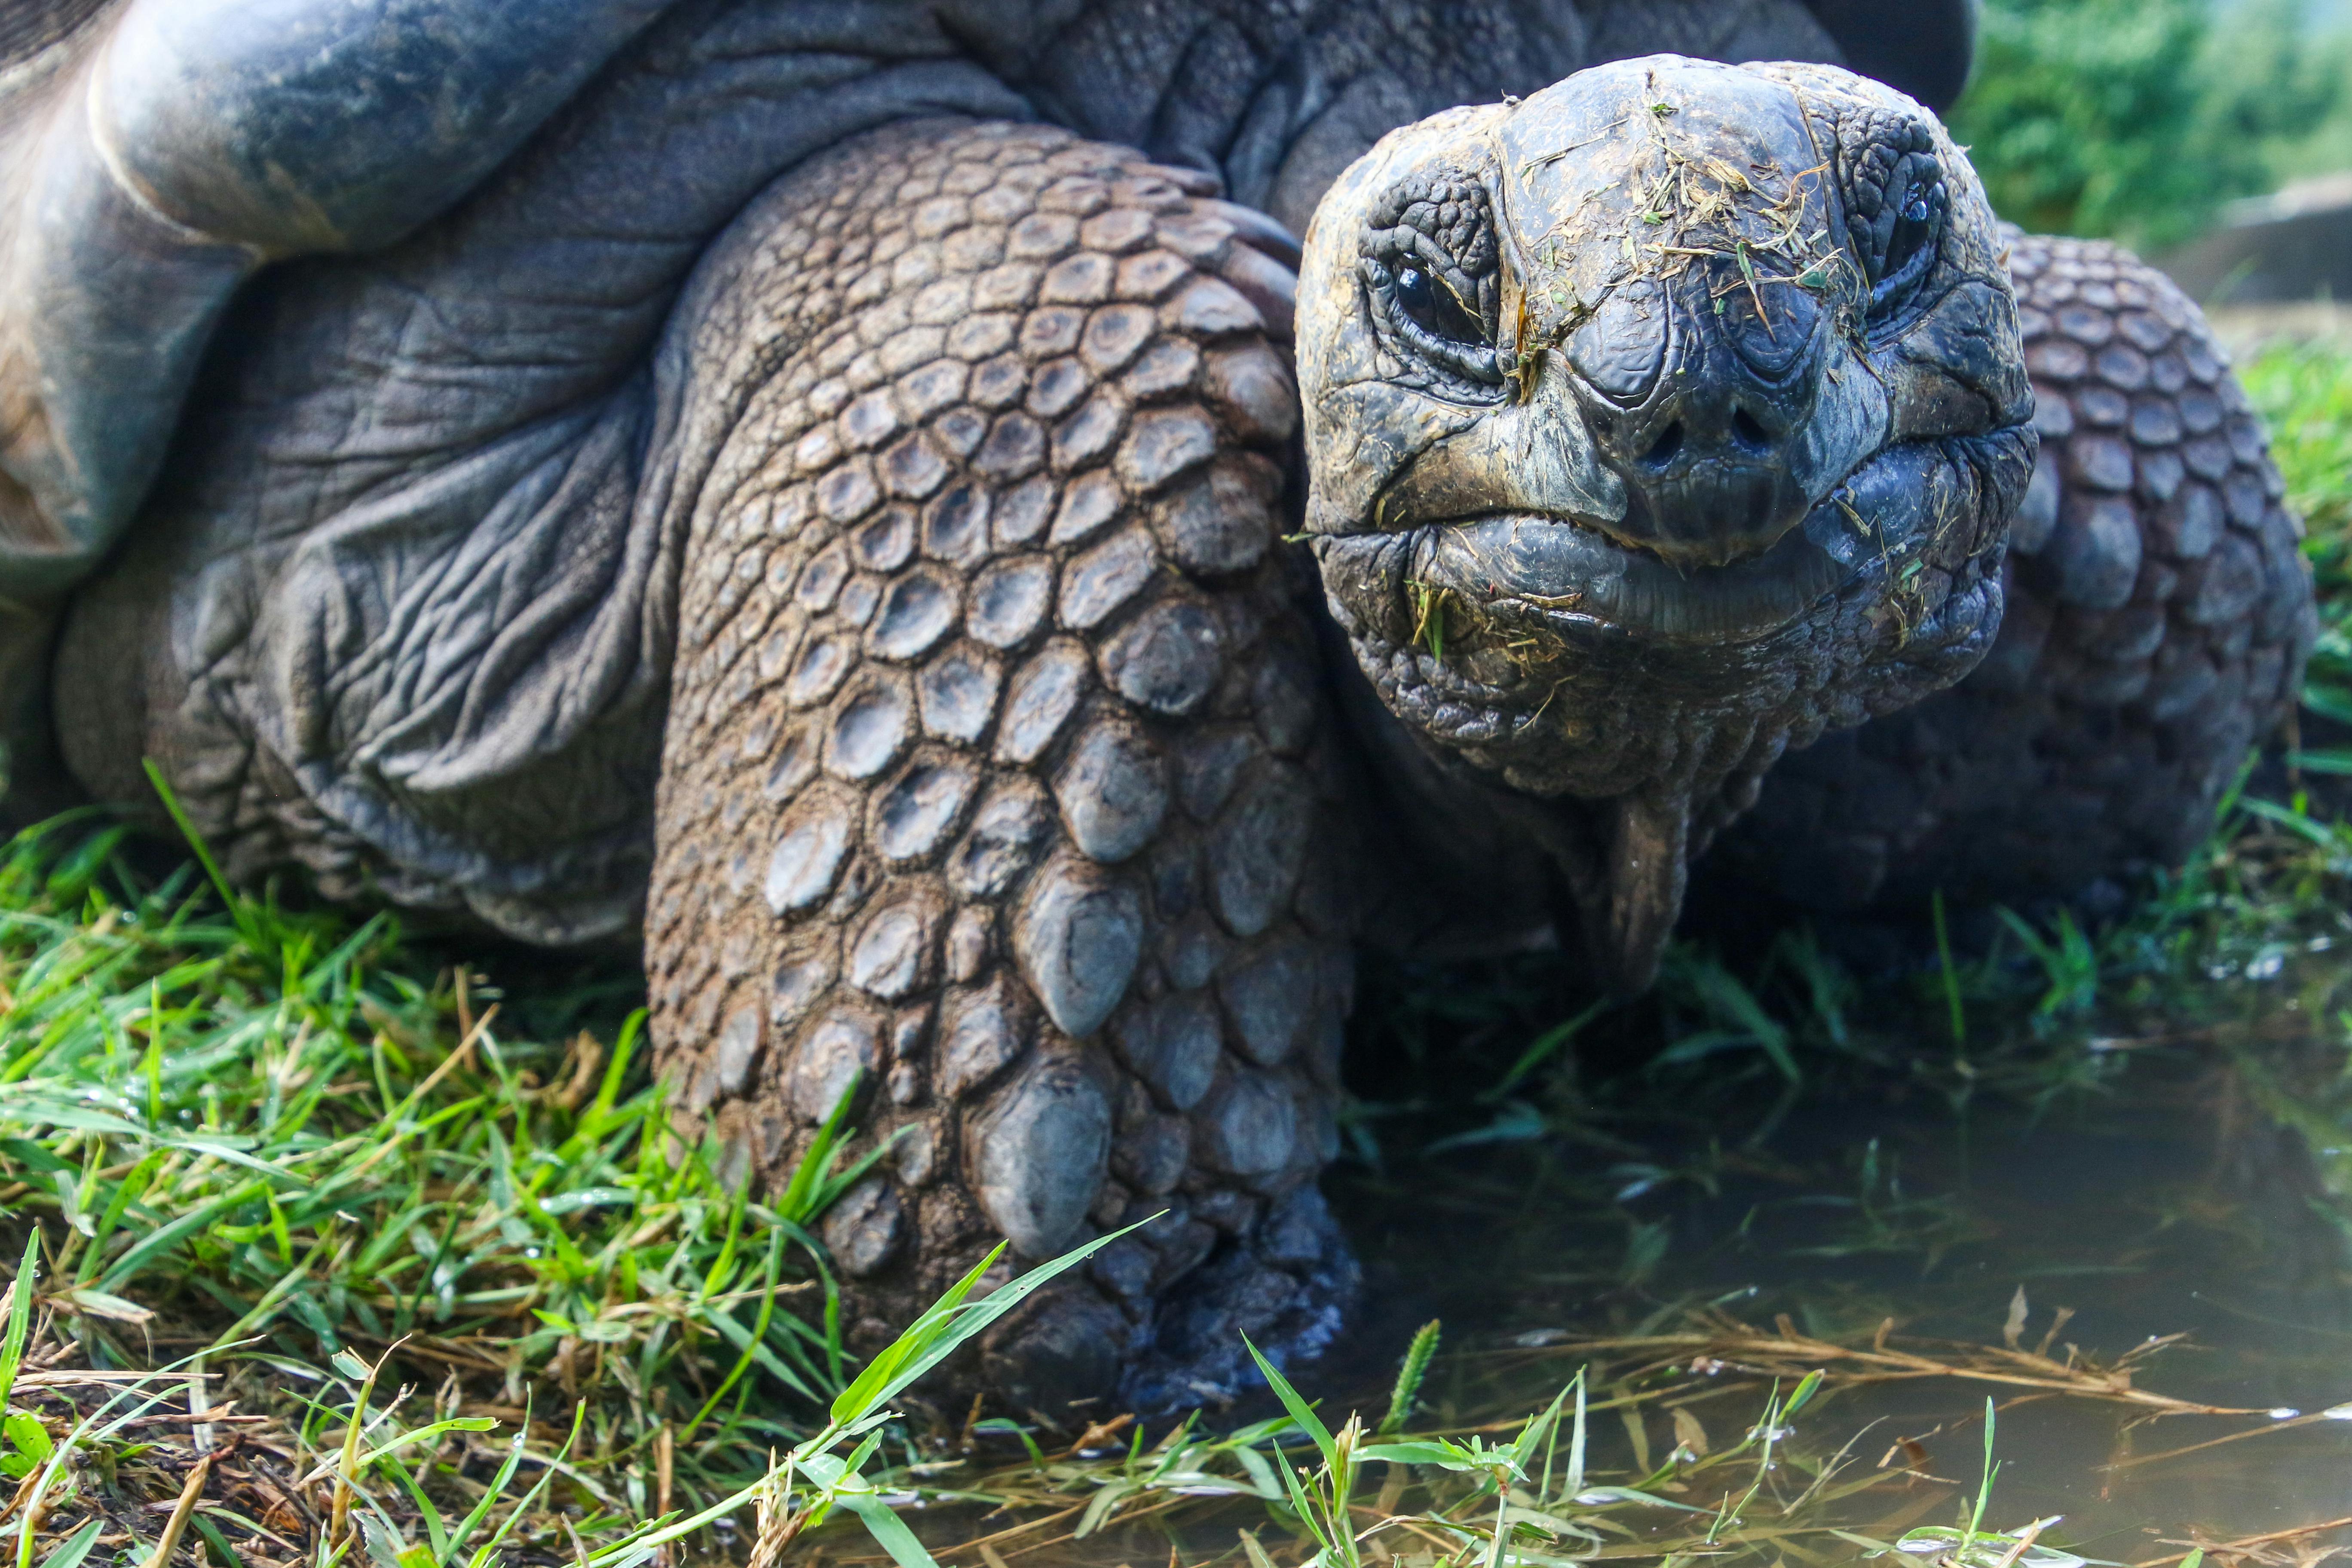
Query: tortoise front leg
{"points": [[999, 767]]}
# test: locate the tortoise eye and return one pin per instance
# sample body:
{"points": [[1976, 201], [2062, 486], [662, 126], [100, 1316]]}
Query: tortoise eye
{"points": [[1436, 309], [1908, 253], [1432, 278], [1914, 227]]}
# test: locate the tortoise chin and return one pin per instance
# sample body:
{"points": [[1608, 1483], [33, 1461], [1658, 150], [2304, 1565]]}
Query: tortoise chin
{"points": [[1660, 421]]}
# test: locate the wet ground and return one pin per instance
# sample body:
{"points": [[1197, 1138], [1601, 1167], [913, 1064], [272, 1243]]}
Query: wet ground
{"points": [[2177, 1208], [2193, 1188]]}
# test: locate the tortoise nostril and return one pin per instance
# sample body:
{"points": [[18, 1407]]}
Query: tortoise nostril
{"points": [[1662, 450], [1748, 433]]}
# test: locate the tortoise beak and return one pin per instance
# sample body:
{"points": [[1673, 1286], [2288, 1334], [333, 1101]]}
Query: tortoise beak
{"points": [[1700, 414]]}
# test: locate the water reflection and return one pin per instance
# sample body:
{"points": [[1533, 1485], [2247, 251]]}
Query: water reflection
{"points": [[2200, 1201]]}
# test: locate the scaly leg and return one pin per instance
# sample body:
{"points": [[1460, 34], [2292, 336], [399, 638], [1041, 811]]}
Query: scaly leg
{"points": [[999, 767]]}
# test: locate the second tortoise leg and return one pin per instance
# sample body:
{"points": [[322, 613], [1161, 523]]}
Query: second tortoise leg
{"points": [[2159, 615], [999, 771]]}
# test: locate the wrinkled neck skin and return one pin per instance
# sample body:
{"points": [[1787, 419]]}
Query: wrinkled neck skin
{"points": [[1654, 425]]}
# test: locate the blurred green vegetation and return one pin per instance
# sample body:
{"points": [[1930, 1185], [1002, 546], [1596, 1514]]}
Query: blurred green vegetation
{"points": [[2138, 119], [2303, 392]]}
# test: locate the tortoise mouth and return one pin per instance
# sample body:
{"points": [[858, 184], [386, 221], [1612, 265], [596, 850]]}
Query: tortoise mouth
{"points": [[1576, 575], [1573, 573]]}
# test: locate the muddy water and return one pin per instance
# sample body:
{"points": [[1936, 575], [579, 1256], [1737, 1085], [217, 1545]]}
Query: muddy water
{"points": [[2199, 1192]]}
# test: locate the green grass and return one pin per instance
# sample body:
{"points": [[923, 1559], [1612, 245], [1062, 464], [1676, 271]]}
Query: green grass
{"points": [[271, 1122], [2305, 394], [254, 1138]]}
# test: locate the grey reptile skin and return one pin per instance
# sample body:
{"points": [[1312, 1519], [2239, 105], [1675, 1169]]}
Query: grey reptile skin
{"points": [[2157, 629], [809, 491]]}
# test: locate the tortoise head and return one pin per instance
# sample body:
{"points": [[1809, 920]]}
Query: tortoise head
{"points": [[1654, 424]]}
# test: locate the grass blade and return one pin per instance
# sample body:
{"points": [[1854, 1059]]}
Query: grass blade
{"points": [[68, 1552], [237, 909], [20, 1313], [941, 1338], [1308, 1422]]}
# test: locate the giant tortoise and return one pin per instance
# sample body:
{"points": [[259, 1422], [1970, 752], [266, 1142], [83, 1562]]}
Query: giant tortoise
{"points": [[822, 489]]}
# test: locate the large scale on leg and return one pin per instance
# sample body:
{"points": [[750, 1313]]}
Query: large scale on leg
{"points": [[998, 771]]}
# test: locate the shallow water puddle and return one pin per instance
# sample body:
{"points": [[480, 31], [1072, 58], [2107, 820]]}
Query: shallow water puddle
{"points": [[2181, 1238]]}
